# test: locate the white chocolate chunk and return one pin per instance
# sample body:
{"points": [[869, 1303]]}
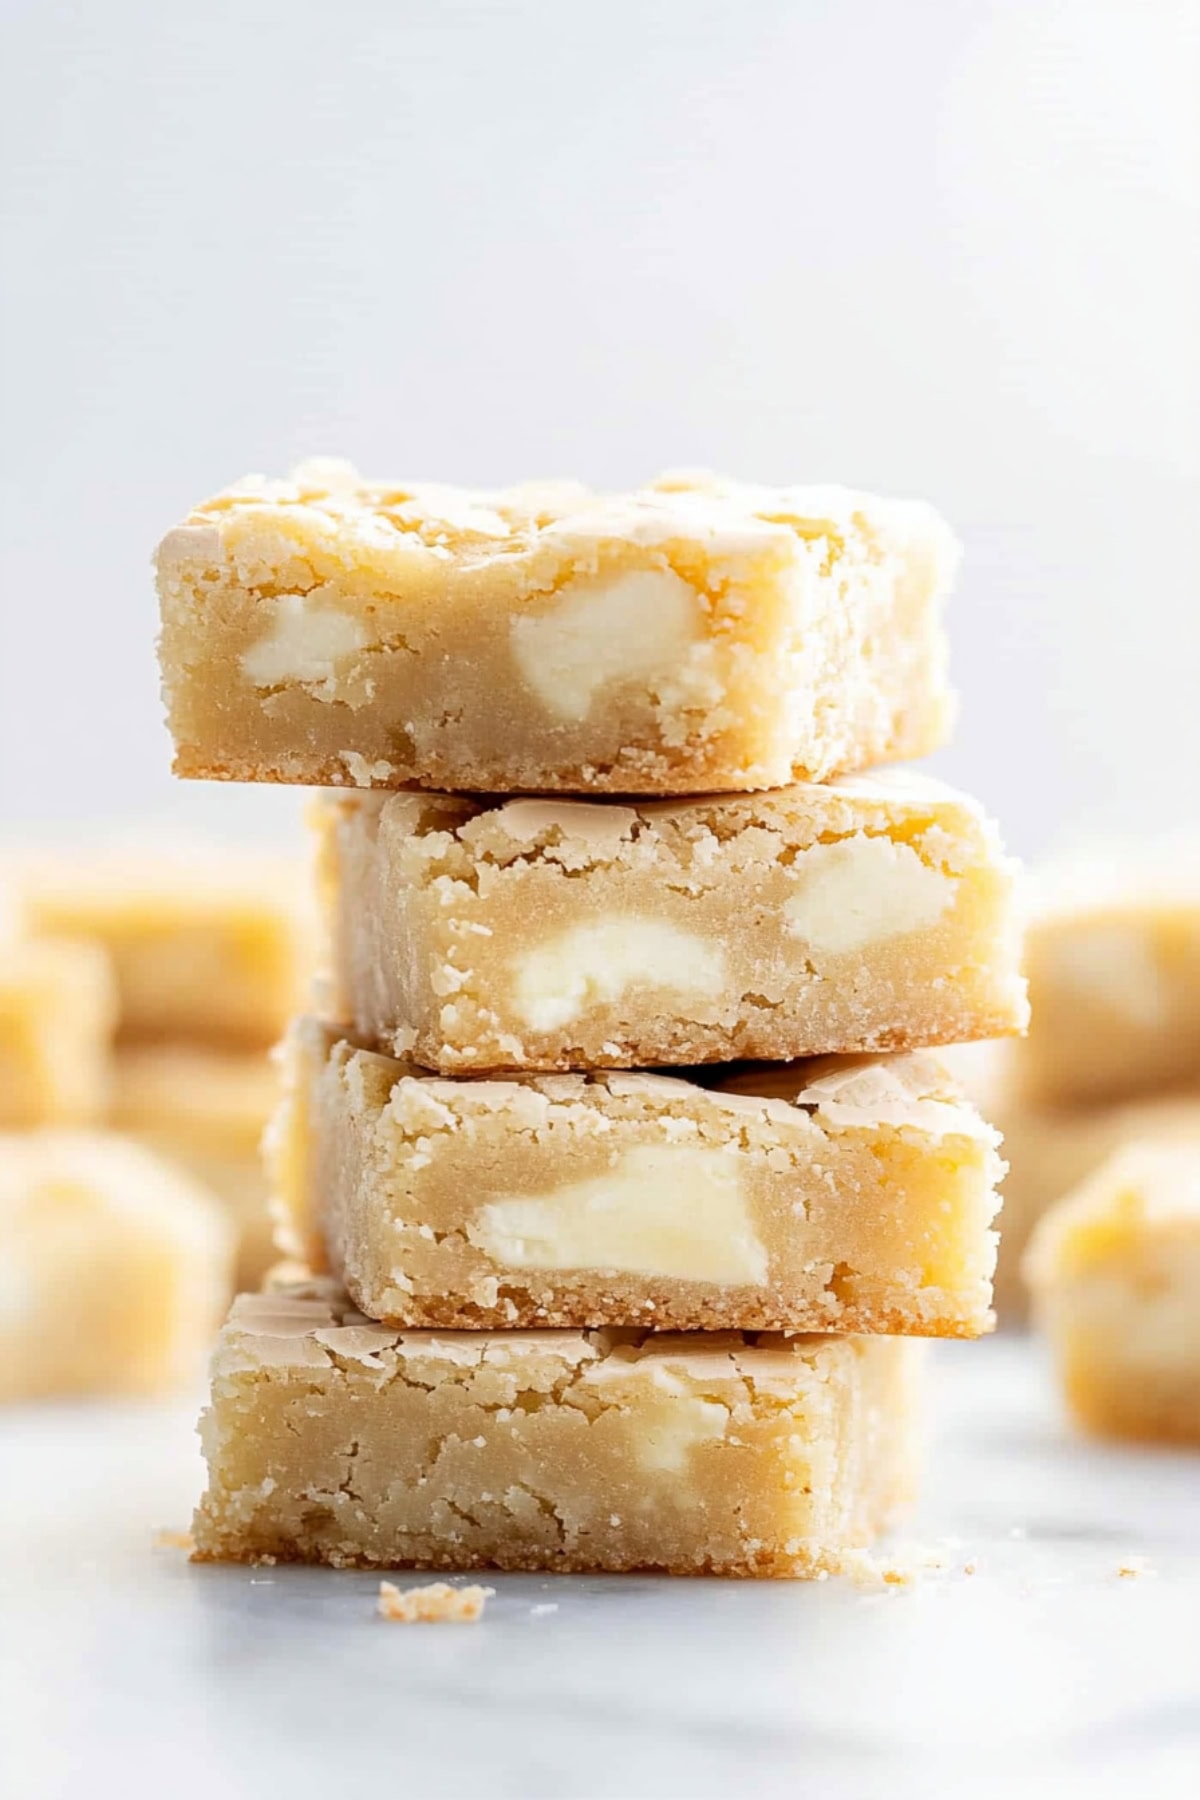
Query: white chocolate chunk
{"points": [[861, 890], [363, 773], [304, 644], [663, 1210], [595, 964], [634, 627], [669, 1432]]}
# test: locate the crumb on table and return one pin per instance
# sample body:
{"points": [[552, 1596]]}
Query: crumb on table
{"points": [[1132, 1566], [170, 1539], [873, 1573], [905, 1567], [436, 1604]]}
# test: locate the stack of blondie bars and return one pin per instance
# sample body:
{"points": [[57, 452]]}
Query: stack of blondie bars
{"points": [[624, 1174]]}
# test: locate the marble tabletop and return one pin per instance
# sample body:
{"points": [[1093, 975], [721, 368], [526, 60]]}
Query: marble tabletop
{"points": [[1027, 1665]]}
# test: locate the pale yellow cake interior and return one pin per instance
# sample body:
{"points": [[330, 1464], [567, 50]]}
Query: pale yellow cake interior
{"points": [[330, 1438]]}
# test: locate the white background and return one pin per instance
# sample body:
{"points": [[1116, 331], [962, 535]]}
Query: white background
{"points": [[949, 248]]}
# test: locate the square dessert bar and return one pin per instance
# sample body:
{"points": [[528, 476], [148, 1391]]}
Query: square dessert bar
{"points": [[209, 946], [333, 1439], [115, 1267], [58, 1008], [694, 636], [853, 1198], [206, 1110], [874, 913], [1115, 1274], [1113, 955], [1052, 1149]]}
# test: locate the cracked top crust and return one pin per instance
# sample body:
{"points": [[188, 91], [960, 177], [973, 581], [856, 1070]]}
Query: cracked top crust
{"points": [[327, 509], [312, 1324], [913, 1090], [450, 833], [909, 1090]]}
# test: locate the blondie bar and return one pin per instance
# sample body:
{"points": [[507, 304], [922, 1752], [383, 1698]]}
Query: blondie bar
{"points": [[694, 636], [206, 1111], [58, 1008], [1113, 956], [1115, 1275], [857, 1197], [114, 1267], [209, 946], [872, 913], [1050, 1150], [333, 1439]]}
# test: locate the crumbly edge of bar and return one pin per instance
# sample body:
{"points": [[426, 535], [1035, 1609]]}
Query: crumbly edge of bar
{"points": [[652, 775], [806, 1562], [680, 1049], [666, 1311]]}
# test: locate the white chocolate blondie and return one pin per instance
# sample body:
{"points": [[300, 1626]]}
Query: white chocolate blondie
{"points": [[1113, 957], [333, 1439], [1050, 1150], [694, 636], [873, 913], [1115, 1274], [853, 1197], [206, 1110], [58, 1008], [208, 946], [114, 1267]]}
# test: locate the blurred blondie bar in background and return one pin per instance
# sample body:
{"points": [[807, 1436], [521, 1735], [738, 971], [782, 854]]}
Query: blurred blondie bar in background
{"points": [[140, 995], [1112, 955]]}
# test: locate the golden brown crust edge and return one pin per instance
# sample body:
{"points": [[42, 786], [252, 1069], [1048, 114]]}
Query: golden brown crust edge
{"points": [[449, 1314], [981, 1026], [675, 776], [804, 1563]]}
